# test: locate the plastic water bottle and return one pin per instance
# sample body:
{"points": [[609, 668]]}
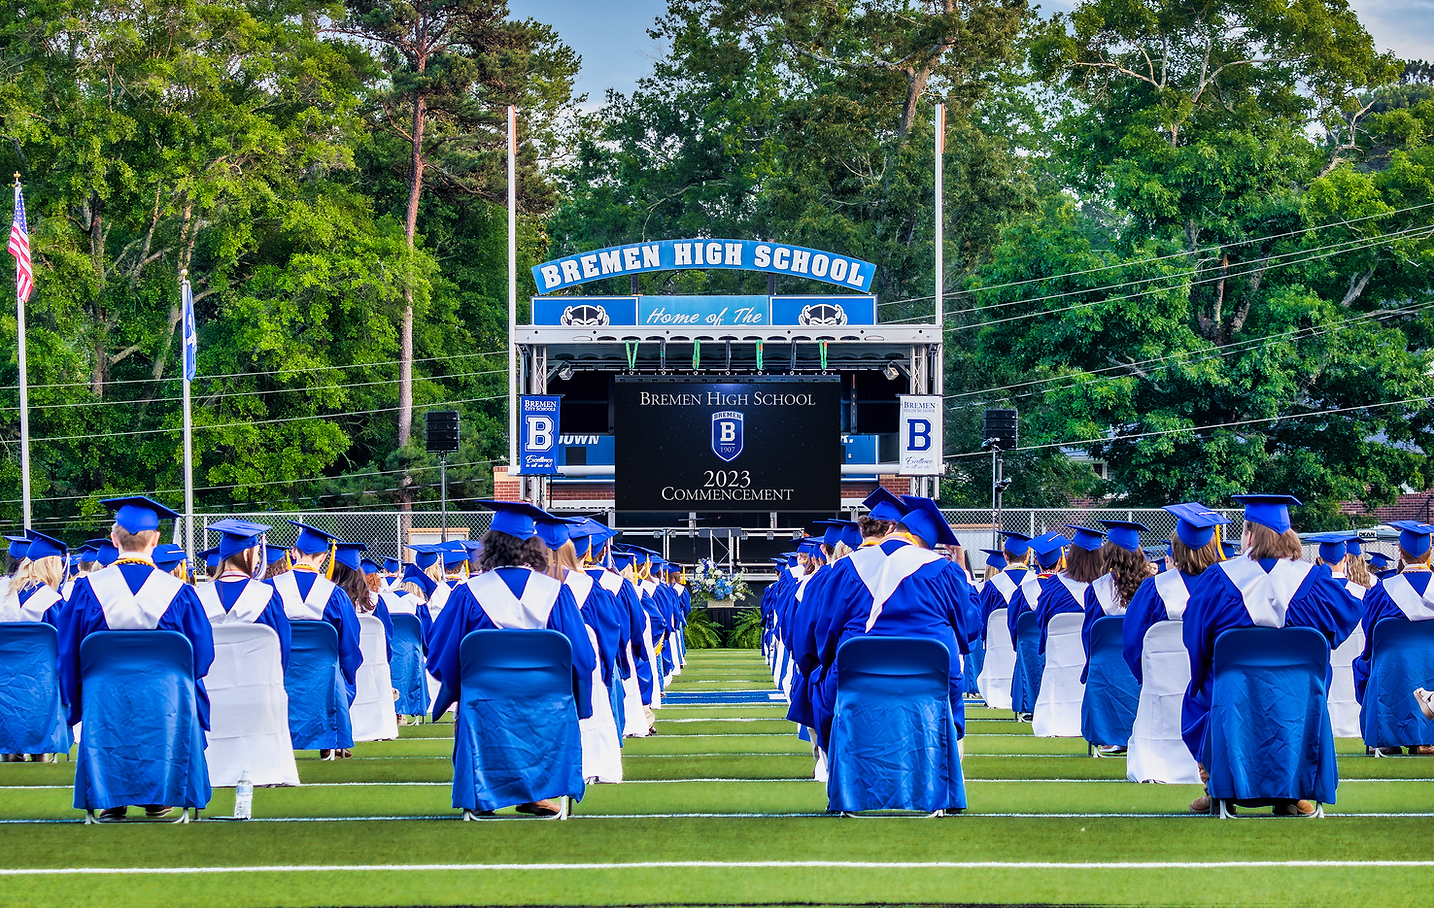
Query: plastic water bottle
{"points": [[244, 797]]}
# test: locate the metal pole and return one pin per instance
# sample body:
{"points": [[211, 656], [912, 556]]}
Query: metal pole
{"points": [[512, 290], [940, 211], [996, 467], [443, 496], [24, 384], [188, 440]]}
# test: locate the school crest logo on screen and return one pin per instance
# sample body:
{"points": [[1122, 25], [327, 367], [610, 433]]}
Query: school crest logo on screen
{"points": [[727, 434]]}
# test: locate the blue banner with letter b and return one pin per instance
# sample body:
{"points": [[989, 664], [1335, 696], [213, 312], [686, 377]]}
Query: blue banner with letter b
{"points": [[538, 435]]}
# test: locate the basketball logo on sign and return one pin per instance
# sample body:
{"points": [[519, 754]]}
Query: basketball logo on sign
{"points": [[727, 434]]}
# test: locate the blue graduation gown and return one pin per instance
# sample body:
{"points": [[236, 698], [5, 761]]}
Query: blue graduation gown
{"points": [[273, 614], [1055, 600], [602, 613], [85, 616], [1377, 606], [464, 613], [341, 614], [1320, 602], [991, 600]]}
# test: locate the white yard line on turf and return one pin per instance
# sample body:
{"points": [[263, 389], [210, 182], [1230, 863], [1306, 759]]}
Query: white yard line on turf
{"points": [[722, 865]]}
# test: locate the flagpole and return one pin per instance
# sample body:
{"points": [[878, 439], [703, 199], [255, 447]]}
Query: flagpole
{"points": [[184, 292], [512, 290], [24, 384], [936, 378]]}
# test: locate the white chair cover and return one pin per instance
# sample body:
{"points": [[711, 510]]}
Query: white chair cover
{"points": [[1157, 752], [994, 682], [372, 710], [248, 709], [1343, 709], [602, 751], [1057, 710]]}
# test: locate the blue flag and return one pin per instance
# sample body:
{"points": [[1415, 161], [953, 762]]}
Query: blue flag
{"points": [[191, 337]]}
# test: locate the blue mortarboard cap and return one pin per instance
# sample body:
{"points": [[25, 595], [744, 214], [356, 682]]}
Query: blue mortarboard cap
{"points": [[427, 554], [92, 546], [1048, 548], [138, 514], [1271, 511], [238, 535], [312, 540], [1230, 547], [454, 553], [19, 546], [42, 546], [1380, 561], [791, 558], [884, 506], [516, 518], [210, 556], [1124, 533], [1016, 543], [167, 556], [1195, 524], [995, 558], [1332, 546], [831, 534], [1352, 547], [369, 566], [554, 530], [392, 565], [622, 559], [273, 553], [106, 554], [811, 545], [851, 534], [1086, 538], [1413, 535], [778, 560], [925, 519], [350, 554]]}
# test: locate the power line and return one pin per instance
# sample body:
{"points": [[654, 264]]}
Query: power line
{"points": [[1109, 439]]}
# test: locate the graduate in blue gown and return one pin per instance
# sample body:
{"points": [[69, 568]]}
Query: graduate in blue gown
{"points": [[33, 715], [1381, 565], [1126, 569], [1249, 591], [309, 595], [351, 578], [1014, 587], [236, 596], [132, 594], [1405, 596], [1194, 548], [927, 599], [512, 593], [1056, 596]]}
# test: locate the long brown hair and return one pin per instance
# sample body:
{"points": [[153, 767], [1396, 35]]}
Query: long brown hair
{"points": [[243, 562], [1130, 570], [1266, 543], [353, 583], [565, 559], [1084, 566], [1358, 571], [1195, 561]]}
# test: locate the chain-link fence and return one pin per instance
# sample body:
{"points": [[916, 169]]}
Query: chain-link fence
{"points": [[974, 528]]}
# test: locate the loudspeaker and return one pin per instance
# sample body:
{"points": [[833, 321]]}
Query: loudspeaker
{"points": [[1000, 425], [441, 435]]}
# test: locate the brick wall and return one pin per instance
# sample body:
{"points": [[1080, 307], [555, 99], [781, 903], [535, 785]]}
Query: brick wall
{"points": [[505, 487]]}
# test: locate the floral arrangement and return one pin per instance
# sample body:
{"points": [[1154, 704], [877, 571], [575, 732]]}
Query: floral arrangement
{"points": [[709, 581]]}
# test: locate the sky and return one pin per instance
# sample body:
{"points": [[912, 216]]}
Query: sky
{"points": [[611, 35]]}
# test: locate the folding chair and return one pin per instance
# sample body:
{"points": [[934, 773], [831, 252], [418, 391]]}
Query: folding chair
{"points": [[994, 681], [893, 740], [408, 665], [32, 712], [142, 744], [1401, 659], [1268, 736], [1057, 711], [318, 698], [1157, 751], [517, 737], [1107, 710], [248, 709], [372, 712], [1026, 680]]}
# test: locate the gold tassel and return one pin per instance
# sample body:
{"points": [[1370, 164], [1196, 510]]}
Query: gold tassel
{"points": [[333, 559]]}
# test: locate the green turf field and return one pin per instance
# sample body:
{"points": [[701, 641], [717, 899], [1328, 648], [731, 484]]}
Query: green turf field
{"points": [[719, 808]]}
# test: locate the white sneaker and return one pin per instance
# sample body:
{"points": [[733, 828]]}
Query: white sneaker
{"points": [[1425, 699]]}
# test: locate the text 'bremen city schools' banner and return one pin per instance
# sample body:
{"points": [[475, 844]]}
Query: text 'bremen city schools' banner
{"points": [[921, 435], [538, 435], [695, 443]]}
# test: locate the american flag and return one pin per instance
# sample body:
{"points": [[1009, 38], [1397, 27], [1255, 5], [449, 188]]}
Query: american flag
{"points": [[20, 248]]}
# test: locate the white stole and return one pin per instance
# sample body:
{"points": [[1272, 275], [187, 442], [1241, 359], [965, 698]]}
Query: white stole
{"points": [[1104, 589], [398, 605], [1415, 607], [127, 611], [247, 608], [802, 583], [882, 573], [610, 581], [304, 608], [1355, 589], [32, 609], [527, 612], [1266, 595], [1075, 587], [581, 585], [1174, 592], [1030, 587]]}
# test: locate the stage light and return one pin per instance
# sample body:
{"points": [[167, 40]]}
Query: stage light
{"points": [[889, 370]]}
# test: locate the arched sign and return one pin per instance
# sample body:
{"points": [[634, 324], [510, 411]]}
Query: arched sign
{"points": [[669, 255]]}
